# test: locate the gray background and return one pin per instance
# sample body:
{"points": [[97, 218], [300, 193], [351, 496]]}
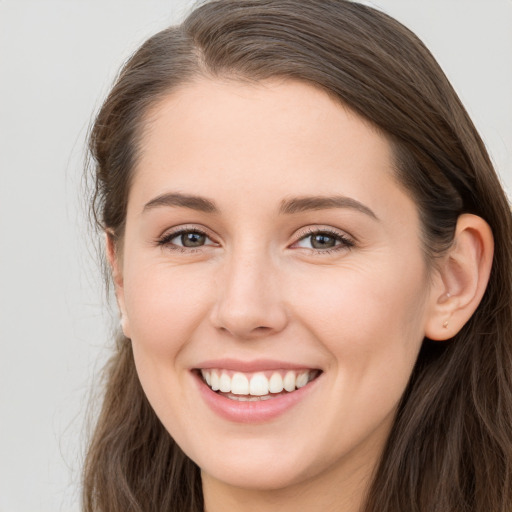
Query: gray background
{"points": [[57, 60]]}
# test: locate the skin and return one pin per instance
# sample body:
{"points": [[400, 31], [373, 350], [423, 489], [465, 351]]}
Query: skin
{"points": [[258, 289]]}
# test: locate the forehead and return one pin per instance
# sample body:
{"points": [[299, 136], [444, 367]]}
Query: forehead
{"points": [[286, 136], [294, 110]]}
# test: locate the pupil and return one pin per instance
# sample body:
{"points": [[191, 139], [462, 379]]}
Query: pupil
{"points": [[323, 241], [192, 239]]}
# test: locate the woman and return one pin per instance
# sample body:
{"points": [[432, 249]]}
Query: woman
{"points": [[311, 255]]}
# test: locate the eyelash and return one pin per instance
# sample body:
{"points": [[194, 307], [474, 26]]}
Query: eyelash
{"points": [[166, 240], [346, 243]]}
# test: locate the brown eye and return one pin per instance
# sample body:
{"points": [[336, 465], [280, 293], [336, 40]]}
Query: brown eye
{"points": [[322, 241], [185, 239], [325, 241], [192, 239]]}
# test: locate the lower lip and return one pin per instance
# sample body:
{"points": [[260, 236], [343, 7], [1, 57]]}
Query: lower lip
{"points": [[252, 412]]}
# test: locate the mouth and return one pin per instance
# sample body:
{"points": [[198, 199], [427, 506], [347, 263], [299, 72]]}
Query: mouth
{"points": [[256, 386]]}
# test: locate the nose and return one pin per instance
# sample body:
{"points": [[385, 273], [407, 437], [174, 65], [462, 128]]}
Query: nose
{"points": [[249, 301]]}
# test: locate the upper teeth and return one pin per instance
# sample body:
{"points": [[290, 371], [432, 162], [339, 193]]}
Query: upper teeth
{"points": [[257, 384]]}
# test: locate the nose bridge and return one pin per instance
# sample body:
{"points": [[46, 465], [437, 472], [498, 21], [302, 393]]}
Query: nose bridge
{"points": [[249, 299]]}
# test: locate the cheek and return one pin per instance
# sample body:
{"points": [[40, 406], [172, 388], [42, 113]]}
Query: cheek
{"points": [[164, 304], [370, 319], [372, 327]]}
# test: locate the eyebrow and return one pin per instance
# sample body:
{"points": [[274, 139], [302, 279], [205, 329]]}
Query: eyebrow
{"points": [[302, 204], [288, 206], [184, 200]]}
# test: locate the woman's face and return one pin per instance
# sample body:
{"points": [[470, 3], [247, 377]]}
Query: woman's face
{"points": [[268, 244]]}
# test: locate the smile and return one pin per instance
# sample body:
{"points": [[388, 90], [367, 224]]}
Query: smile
{"points": [[256, 386]]}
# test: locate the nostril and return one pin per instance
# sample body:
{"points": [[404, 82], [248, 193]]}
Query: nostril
{"points": [[245, 331]]}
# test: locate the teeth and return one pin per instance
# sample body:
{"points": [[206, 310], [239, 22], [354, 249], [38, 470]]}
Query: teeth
{"points": [[258, 385], [289, 381], [248, 398], [242, 387], [225, 383], [239, 384], [275, 384], [301, 380], [215, 385]]}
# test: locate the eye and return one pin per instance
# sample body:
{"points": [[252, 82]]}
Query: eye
{"points": [[190, 239], [185, 239], [324, 241]]}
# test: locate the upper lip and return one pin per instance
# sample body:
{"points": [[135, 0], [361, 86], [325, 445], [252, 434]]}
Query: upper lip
{"points": [[256, 365]]}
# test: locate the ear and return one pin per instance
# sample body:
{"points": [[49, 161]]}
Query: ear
{"points": [[115, 262], [461, 279]]}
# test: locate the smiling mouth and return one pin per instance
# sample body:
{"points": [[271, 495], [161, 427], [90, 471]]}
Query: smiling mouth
{"points": [[250, 387]]}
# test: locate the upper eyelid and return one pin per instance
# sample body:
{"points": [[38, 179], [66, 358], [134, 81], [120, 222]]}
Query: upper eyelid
{"points": [[310, 230], [184, 228]]}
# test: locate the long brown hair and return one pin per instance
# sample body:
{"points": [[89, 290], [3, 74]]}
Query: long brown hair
{"points": [[450, 448]]}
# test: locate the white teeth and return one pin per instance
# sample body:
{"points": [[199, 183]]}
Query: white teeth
{"points": [[225, 383], [258, 385], [215, 381], [249, 398], [302, 379], [289, 381], [240, 384], [275, 384]]}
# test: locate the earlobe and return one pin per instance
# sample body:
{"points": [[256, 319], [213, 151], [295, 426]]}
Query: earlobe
{"points": [[462, 277], [115, 264]]}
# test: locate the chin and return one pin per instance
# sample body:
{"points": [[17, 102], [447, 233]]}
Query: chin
{"points": [[256, 476], [264, 466]]}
